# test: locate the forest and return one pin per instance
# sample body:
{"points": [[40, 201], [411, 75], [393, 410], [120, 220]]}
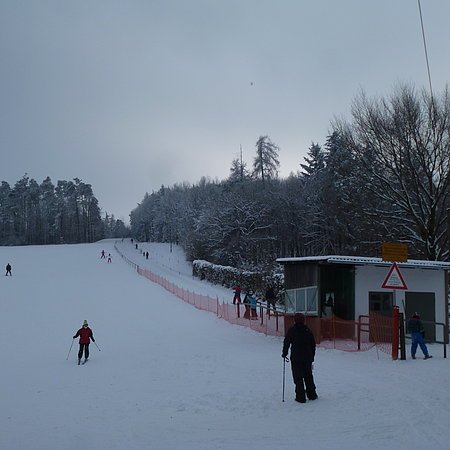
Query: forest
{"points": [[68, 213], [382, 176]]}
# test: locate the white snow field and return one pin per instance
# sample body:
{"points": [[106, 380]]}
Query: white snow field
{"points": [[170, 376]]}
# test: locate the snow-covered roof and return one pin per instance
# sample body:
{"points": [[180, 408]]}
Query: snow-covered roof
{"points": [[362, 260]]}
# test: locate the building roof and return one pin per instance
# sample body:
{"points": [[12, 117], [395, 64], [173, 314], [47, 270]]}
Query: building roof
{"points": [[365, 261]]}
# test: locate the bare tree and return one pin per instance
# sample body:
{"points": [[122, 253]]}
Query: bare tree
{"points": [[402, 146]]}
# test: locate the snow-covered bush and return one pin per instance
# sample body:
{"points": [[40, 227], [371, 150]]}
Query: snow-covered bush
{"points": [[227, 276]]}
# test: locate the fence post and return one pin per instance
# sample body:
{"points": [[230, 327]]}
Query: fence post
{"points": [[402, 337], [359, 333], [395, 332]]}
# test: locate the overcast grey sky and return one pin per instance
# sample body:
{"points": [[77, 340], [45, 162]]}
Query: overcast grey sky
{"points": [[129, 95]]}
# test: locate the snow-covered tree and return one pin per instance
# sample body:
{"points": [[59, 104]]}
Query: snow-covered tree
{"points": [[315, 161], [266, 163]]}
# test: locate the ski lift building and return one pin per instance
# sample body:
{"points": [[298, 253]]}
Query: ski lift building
{"points": [[351, 286]]}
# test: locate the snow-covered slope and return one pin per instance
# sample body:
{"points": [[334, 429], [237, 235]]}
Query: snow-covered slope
{"points": [[169, 376]]}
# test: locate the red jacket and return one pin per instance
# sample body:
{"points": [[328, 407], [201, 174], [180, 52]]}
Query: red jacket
{"points": [[85, 333]]}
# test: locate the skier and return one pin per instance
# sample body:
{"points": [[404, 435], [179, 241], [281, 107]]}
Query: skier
{"points": [[237, 294], [8, 270], [250, 305], [271, 299], [86, 335], [103, 255], [415, 327], [109, 257], [303, 351]]}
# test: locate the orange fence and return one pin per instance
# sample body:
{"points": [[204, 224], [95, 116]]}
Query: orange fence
{"points": [[335, 333]]}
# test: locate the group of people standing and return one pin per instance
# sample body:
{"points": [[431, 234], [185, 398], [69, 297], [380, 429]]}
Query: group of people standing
{"points": [[250, 301]]}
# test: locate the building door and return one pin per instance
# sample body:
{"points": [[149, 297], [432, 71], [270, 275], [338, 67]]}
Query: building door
{"points": [[424, 304]]}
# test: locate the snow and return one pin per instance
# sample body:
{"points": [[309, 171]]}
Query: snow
{"points": [[170, 376]]}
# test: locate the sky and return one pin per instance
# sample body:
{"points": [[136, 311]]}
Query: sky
{"points": [[131, 95], [164, 375]]}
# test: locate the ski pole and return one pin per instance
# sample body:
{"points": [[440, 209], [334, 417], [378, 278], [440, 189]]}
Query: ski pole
{"points": [[97, 346], [70, 349], [284, 375]]}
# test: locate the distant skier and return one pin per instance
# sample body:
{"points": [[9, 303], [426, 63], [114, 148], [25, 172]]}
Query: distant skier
{"points": [[237, 294], [146, 255], [109, 257], [271, 299], [103, 255], [8, 270], [86, 335]]}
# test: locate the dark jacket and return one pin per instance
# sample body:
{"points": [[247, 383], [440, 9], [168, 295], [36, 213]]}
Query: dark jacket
{"points": [[85, 333], [415, 325], [303, 344]]}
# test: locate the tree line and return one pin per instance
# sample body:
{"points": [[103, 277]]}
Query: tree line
{"points": [[33, 213], [383, 175]]}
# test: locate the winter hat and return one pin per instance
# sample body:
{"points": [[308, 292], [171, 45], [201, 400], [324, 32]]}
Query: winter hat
{"points": [[299, 318], [85, 324], [416, 316]]}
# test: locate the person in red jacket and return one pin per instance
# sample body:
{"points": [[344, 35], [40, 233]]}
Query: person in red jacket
{"points": [[237, 294], [86, 335]]}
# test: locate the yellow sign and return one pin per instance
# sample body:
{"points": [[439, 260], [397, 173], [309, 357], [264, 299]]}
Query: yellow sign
{"points": [[394, 252]]}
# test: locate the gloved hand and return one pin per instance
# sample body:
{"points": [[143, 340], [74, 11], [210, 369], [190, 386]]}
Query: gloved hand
{"points": [[73, 337], [93, 340]]}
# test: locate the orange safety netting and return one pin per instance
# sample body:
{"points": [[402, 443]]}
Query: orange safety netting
{"points": [[333, 332]]}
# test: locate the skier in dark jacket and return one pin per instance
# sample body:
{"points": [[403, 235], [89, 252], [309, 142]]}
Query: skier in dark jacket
{"points": [[415, 327], [8, 270], [303, 349], [271, 299], [86, 335]]}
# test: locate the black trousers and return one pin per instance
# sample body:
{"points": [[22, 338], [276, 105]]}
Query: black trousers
{"points": [[303, 380], [84, 347]]}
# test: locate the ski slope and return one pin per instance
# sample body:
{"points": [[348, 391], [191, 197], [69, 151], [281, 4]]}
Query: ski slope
{"points": [[169, 376]]}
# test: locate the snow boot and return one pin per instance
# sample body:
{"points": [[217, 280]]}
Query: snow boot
{"points": [[79, 361], [427, 357]]}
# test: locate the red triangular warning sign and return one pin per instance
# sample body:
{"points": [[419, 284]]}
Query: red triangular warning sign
{"points": [[394, 279]]}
